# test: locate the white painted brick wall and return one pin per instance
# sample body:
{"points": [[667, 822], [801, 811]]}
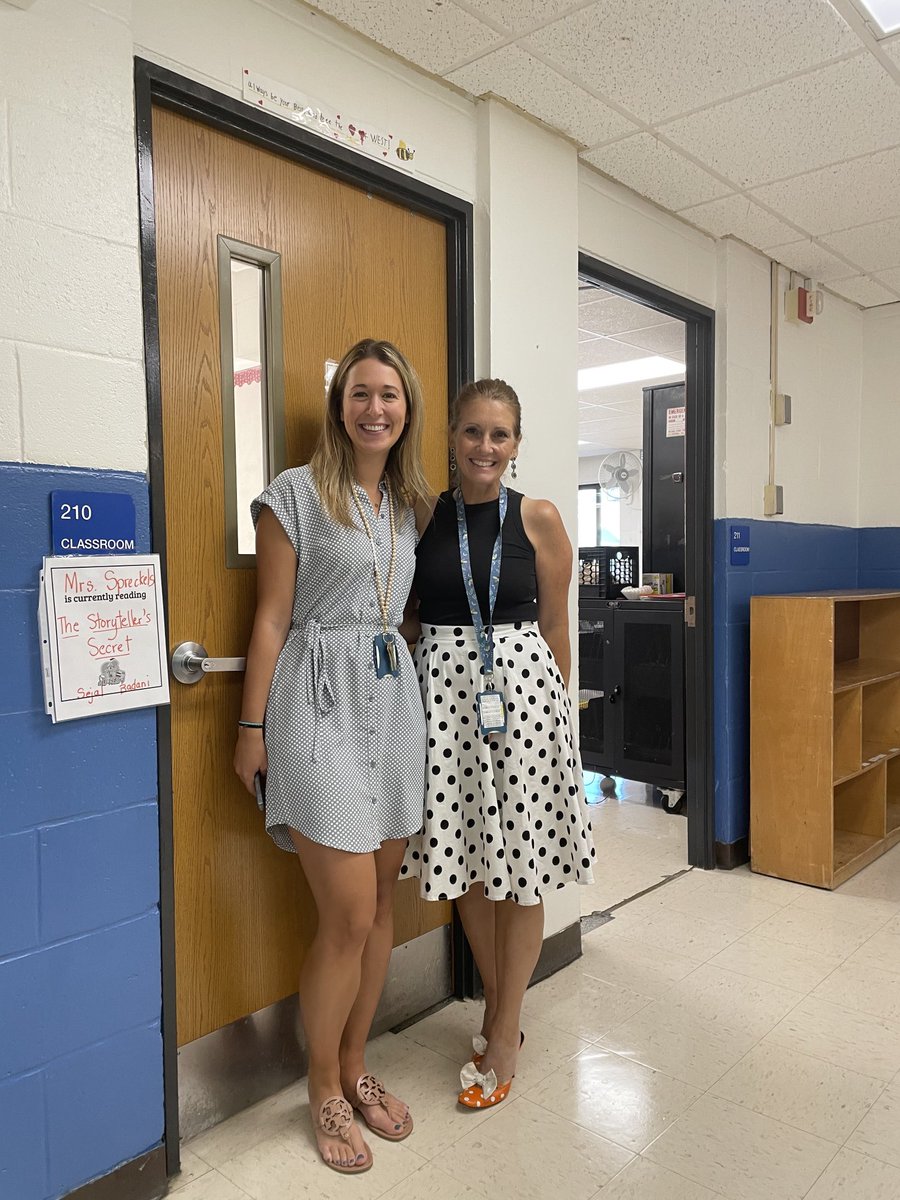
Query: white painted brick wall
{"points": [[55, 384], [70, 297], [10, 431], [94, 193]]}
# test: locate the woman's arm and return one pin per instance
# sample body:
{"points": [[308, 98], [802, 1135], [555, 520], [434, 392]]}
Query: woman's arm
{"points": [[553, 565], [276, 577]]}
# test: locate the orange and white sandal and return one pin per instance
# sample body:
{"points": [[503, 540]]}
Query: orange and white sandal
{"points": [[480, 1045], [481, 1091], [336, 1120], [370, 1093]]}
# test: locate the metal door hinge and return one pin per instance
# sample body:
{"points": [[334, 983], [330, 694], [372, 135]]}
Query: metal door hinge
{"points": [[690, 611]]}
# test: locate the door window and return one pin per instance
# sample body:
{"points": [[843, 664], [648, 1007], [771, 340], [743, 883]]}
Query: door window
{"points": [[252, 385]]}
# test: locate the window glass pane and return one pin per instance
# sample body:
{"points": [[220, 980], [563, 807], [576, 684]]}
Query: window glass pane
{"points": [[588, 515], [250, 406], [250, 331]]}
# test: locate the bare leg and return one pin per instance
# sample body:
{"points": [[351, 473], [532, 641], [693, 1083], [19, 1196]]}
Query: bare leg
{"points": [[375, 959], [343, 886], [477, 914], [519, 933]]}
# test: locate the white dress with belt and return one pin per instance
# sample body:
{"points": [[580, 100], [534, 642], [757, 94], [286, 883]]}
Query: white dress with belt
{"points": [[346, 750]]}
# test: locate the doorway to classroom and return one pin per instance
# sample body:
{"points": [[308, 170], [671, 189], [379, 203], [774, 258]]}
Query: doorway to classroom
{"points": [[645, 424]]}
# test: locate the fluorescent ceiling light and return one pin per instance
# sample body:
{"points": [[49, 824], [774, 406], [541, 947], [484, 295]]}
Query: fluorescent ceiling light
{"points": [[884, 13], [627, 372]]}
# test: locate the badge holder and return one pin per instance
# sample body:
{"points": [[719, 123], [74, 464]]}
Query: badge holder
{"points": [[491, 709], [384, 655]]}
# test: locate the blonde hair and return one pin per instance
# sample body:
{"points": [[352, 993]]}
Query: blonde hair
{"points": [[487, 389], [333, 463]]}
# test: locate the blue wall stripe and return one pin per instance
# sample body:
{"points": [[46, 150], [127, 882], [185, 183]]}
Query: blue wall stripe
{"points": [[80, 987], [784, 558]]}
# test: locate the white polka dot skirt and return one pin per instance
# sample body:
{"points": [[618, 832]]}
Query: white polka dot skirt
{"points": [[506, 810]]}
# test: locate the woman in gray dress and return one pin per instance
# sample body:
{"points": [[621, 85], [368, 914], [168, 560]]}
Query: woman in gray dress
{"points": [[332, 717]]}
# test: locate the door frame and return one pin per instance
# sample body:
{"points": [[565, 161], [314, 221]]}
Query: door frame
{"points": [[156, 85], [700, 340]]}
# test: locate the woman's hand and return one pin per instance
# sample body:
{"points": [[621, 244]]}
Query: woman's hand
{"points": [[250, 757]]}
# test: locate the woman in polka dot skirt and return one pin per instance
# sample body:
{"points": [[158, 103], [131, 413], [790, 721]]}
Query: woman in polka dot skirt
{"points": [[505, 819], [343, 749]]}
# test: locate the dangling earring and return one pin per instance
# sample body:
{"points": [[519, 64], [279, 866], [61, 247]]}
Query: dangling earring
{"points": [[512, 467], [452, 461]]}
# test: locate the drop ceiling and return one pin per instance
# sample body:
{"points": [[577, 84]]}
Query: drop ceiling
{"points": [[612, 329], [774, 121]]}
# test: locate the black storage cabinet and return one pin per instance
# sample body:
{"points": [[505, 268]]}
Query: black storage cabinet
{"points": [[631, 689]]}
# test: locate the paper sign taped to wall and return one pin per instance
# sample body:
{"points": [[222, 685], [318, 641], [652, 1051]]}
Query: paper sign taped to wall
{"points": [[675, 422], [102, 630], [351, 129]]}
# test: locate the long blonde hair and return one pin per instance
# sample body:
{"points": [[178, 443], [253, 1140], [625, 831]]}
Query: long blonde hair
{"points": [[333, 463]]}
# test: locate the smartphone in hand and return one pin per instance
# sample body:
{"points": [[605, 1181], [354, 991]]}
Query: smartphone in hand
{"points": [[260, 781]]}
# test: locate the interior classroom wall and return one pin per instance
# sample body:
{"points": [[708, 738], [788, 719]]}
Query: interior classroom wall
{"points": [[631, 515], [81, 1086]]}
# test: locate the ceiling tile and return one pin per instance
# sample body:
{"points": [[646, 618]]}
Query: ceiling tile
{"points": [[434, 36], [616, 315], [739, 216], [837, 112], [513, 74], [518, 16], [873, 247], [890, 279], [600, 351], [667, 340], [809, 258], [892, 48], [587, 293], [836, 197], [656, 171], [862, 290], [669, 57]]}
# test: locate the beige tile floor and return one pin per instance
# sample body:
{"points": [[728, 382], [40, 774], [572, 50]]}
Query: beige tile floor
{"points": [[726, 1035]]}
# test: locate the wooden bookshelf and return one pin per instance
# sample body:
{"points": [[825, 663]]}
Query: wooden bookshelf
{"points": [[824, 733]]}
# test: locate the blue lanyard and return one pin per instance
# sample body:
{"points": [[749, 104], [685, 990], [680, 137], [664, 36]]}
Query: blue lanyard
{"points": [[484, 633]]}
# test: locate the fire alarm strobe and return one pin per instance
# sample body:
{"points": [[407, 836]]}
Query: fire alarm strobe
{"points": [[802, 304]]}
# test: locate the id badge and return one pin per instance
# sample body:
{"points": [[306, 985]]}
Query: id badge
{"points": [[384, 655], [491, 712]]}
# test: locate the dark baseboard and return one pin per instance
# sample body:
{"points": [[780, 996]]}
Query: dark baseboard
{"points": [[143, 1178], [732, 854], [558, 951]]}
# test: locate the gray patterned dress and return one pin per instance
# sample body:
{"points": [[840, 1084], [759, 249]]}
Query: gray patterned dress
{"points": [[346, 750]]}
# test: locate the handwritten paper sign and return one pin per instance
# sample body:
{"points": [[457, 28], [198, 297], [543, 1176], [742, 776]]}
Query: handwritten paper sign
{"points": [[103, 643], [356, 130]]}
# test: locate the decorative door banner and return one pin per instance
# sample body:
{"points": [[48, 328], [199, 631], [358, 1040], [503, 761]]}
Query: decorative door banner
{"points": [[103, 640], [356, 131]]}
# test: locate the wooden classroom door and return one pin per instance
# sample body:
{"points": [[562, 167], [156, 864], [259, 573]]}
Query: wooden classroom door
{"points": [[351, 265]]}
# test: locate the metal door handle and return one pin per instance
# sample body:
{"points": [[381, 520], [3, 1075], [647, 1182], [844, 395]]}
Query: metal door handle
{"points": [[190, 663]]}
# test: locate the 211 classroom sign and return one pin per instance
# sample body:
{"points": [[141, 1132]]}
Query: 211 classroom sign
{"points": [[103, 643]]}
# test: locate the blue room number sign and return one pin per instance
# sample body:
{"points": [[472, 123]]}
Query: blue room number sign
{"points": [[92, 522]]}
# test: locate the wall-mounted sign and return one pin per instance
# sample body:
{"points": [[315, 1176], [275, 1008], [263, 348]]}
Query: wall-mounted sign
{"points": [[92, 522], [103, 642], [675, 421], [349, 129], [740, 545]]}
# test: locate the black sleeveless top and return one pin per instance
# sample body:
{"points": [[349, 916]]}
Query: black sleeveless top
{"points": [[439, 582]]}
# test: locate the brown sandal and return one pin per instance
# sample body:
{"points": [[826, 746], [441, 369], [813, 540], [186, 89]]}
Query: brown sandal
{"points": [[336, 1120], [370, 1093]]}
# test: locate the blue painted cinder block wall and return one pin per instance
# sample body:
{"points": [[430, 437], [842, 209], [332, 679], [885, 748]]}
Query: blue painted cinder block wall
{"points": [[784, 557], [80, 990]]}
